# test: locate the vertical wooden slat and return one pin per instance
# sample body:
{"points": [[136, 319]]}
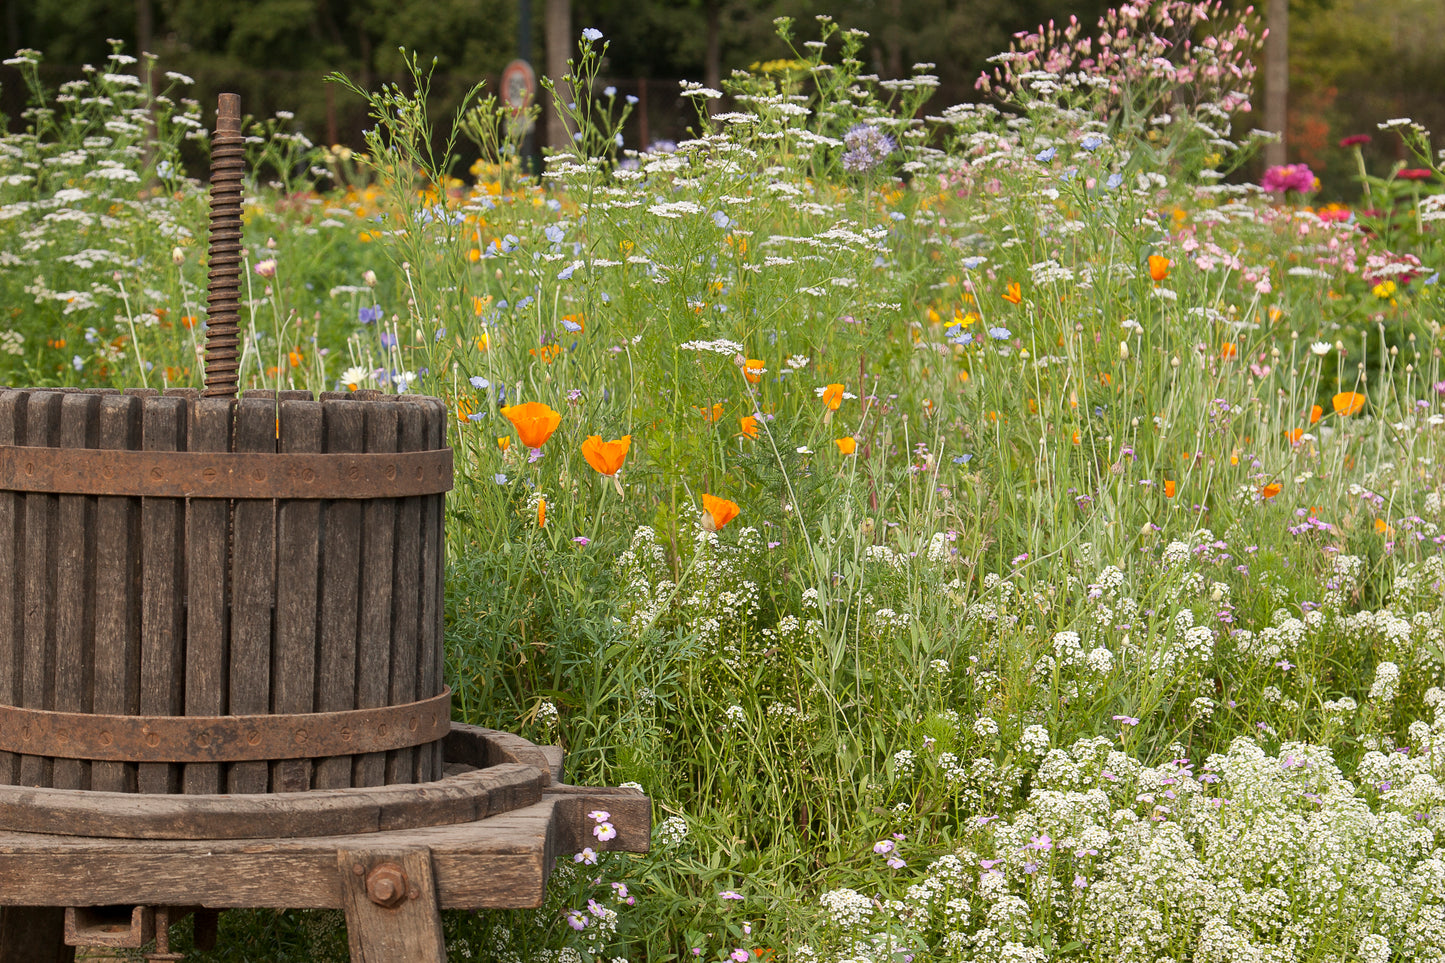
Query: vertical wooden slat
{"points": [[208, 580], [406, 594], [74, 585], [431, 655], [298, 536], [163, 428], [253, 588], [39, 562], [378, 527], [343, 426], [12, 552], [117, 598]]}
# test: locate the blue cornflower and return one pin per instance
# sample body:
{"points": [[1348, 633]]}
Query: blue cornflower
{"points": [[369, 315], [1114, 181], [571, 325], [962, 338], [1091, 142], [554, 233], [1046, 155], [388, 340], [999, 334], [479, 382]]}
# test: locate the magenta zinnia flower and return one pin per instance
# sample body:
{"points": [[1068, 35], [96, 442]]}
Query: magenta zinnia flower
{"points": [[1355, 140], [1289, 177]]}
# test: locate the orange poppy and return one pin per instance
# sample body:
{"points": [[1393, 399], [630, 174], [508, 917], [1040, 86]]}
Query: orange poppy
{"points": [[1293, 435], [753, 370], [1384, 528], [534, 422], [541, 513], [1158, 267], [1271, 490], [1014, 293], [833, 396], [713, 413], [606, 456], [1348, 403], [1316, 413], [1169, 487], [1229, 351], [846, 445], [719, 511], [504, 442], [749, 426]]}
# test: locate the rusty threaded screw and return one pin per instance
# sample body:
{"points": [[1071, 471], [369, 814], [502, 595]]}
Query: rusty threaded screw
{"points": [[223, 292]]}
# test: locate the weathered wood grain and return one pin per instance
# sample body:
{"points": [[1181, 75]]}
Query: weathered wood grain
{"points": [[323, 812], [163, 428], [37, 683], [411, 930], [343, 422], [253, 589], [208, 588], [298, 538], [116, 640], [373, 630], [406, 628], [74, 585], [12, 537]]}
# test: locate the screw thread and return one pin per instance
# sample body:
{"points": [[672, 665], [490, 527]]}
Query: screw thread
{"points": [[223, 291]]}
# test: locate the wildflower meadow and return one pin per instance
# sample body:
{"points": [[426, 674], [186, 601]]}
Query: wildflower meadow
{"points": [[1007, 531]]}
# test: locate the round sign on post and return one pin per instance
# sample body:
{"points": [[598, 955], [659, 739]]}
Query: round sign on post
{"points": [[519, 86]]}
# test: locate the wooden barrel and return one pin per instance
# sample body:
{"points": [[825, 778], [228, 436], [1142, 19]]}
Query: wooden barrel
{"points": [[210, 595]]}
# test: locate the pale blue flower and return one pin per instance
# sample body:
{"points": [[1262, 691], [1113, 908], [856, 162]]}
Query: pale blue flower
{"points": [[1046, 155], [591, 33]]}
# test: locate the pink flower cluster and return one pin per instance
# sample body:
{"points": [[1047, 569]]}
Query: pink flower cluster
{"points": [[1288, 177]]}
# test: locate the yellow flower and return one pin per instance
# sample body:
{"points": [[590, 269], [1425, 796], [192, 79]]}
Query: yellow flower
{"points": [[534, 422], [606, 456]]}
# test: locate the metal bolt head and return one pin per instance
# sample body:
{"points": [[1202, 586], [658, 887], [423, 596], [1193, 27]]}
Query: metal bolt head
{"points": [[386, 885]]}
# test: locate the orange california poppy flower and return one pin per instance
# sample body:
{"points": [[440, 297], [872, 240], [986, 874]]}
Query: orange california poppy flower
{"points": [[846, 445], [753, 370], [541, 513], [1014, 294], [1348, 403], [1158, 267], [1294, 435], [1271, 490], [749, 426], [833, 396], [713, 413], [504, 442], [606, 456], [718, 512], [1229, 351], [1316, 413], [534, 422], [1169, 488]]}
